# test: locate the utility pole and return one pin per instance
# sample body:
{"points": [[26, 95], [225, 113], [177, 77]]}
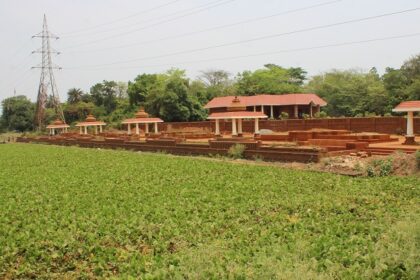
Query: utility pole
{"points": [[47, 80]]}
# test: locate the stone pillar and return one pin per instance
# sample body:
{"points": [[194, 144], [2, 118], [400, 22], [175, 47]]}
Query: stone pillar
{"points": [[271, 112], [296, 113], [100, 128], [156, 128], [240, 127], [310, 110], [137, 129], [81, 130], [262, 108], [217, 132], [128, 129], [96, 129], [410, 121], [256, 126], [234, 133], [255, 108], [85, 129], [146, 128]]}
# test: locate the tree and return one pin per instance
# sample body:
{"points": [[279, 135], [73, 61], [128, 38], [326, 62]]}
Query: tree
{"points": [[74, 95], [173, 102], [141, 87], [105, 94], [351, 93], [273, 79], [18, 113], [214, 77]]}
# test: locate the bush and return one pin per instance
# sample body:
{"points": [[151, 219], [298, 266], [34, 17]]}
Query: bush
{"points": [[284, 115], [305, 116], [417, 155], [320, 115], [379, 167], [236, 151]]}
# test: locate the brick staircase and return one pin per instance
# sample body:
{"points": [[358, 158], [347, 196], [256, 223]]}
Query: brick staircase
{"points": [[379, 151]]}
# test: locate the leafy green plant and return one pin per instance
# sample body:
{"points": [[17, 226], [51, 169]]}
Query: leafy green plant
{"points": [[379, 167], [417, 156], [284, 115], [79, 213], [236, 151]]}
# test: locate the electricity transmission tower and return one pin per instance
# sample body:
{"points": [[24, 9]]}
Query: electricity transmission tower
{"points": [[47, 80]]}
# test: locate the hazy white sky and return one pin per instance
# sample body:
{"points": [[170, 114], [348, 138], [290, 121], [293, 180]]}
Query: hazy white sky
{"points": [[119, 39]]}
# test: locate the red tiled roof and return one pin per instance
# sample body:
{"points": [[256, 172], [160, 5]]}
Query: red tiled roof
{"points": [[237, 114], [142, 120], [268, 99], [408, 106]]}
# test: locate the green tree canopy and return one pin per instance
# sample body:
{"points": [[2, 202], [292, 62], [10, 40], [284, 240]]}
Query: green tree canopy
{"points": [[351, 93], [273, 79], [18, 113]]}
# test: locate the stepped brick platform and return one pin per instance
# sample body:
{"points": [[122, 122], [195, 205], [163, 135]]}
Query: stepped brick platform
{"points": [[174, 146]]}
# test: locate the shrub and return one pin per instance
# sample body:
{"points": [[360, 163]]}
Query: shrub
{"points": [[284, 115], [417, 155], [236, 151], [379, 167], [305, 116], [320, 115]]}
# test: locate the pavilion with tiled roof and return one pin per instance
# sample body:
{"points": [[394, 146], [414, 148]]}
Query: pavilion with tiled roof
{"points": [[236, 111], [142, 117], [409, 107], [90, 122], [56, 126], [294, 104]]}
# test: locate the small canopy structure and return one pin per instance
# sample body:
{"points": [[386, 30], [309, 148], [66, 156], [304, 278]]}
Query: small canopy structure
{"points": [[142, 117], [237, 112], [410, 107], [57, 126], [90, 122]]}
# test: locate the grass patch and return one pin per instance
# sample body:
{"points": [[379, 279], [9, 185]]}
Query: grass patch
{"points": [[68, 212]]}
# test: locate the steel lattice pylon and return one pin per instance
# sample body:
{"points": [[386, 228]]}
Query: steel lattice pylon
{"points": [[47, 79]]}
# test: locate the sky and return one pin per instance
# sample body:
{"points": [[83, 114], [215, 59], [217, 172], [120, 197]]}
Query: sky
{"points": [[120, 39]]}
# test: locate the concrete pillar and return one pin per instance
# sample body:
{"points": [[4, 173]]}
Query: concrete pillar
{"points": [[296, 113], [128, 129], [240, 127], [156, 128], [96, 129], [310, 110], [271, 112], [255, 108], [137, 129], [85, 129], [217, 132], [81, 130], [100, 128], [234, 132], [146, 129], [410, 121], [262, 108], [256, 126]]}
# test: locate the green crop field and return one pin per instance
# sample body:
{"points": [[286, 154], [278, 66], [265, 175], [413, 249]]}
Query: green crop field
{"points": [[68, 212]]}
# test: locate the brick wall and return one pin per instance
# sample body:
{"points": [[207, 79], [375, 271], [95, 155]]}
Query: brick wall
{"points": [[390, 125]]}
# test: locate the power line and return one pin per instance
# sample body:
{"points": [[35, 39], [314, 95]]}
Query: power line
{"points": [[147, 20], [216, 27], [124, 18], [152, 25], [275, 52], [257, 38]]}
